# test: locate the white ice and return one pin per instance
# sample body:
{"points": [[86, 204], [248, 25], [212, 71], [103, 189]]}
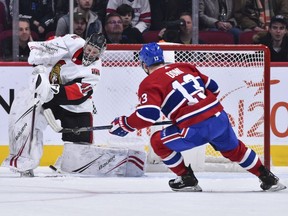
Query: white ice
{"points": [[233, 194]]}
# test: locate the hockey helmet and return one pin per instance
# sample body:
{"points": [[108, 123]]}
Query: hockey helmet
{"points": [[151, 54], [94, 46]]}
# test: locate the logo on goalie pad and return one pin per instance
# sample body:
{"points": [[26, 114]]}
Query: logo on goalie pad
{"points": [[99, 161]]}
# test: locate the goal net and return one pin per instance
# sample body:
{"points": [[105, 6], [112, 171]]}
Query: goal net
{"points": [[242, 72]]}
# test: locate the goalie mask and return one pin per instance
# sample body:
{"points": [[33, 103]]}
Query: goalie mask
{"points": [[94, 46]]}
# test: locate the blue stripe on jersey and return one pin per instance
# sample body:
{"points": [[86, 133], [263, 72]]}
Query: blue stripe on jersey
{"points": [[197, 112], [250, 159], [149, 113], [173, 160], [212, 86], [175, 99]]}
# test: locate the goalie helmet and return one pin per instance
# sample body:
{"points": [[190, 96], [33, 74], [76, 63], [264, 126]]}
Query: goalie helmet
{"points": [[151, 54], [94, 46]]}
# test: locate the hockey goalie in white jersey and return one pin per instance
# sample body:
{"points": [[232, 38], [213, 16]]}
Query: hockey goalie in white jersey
{"points": [[67, 70]]}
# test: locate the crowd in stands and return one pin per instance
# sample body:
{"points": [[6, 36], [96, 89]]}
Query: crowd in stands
{"points": [[143, 21]]}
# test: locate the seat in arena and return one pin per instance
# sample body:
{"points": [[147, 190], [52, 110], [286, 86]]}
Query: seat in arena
{"points": [[216, 37]]}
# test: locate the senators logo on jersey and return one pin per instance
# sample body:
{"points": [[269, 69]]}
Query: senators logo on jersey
{"points": [[54, 76]]}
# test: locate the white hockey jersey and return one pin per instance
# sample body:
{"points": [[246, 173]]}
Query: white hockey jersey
{"points": [[142, 12], [64, 56]]}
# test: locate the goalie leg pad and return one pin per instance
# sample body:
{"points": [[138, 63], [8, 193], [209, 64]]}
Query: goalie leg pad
{"points": [[20, 132], [99, 161], [19, 163]]}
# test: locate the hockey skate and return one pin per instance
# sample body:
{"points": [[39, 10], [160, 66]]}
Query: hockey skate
{"points": [[27, 173], [185, 183], [269, 182]]}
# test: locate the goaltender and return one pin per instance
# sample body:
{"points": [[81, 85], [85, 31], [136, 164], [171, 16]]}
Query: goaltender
{"points": [[61, 86]]}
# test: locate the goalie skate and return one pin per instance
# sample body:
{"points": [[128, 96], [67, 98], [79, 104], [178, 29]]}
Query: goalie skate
{"points": [[185, 183]]}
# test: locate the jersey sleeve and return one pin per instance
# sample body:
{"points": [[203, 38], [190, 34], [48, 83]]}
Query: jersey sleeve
{"points": [[149, 109], [47, 53], [73, 93], [144, 17], [210, 84]]}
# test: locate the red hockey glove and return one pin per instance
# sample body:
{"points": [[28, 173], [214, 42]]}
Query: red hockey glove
{"points": [[120, 127]]}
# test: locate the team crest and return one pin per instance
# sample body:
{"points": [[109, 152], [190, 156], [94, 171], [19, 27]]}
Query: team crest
{"points": [[54, 76]]}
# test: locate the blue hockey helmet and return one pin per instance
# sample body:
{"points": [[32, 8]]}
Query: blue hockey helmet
{"points": [[151, 54]]}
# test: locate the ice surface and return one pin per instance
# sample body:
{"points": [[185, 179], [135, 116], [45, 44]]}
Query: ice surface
{"points": [[233, 194]]}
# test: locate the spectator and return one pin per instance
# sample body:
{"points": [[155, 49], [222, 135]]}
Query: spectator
{"points": [[94, 25], [114, 29], [80, 24], [24, 38], [167, 10], [133, 34], [276, 39], [142, 18], [247, 14], [99, 7], [178, 31], [40, 13], [218, 16]]}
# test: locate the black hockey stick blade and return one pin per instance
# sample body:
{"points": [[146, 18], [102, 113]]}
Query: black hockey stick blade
{"points": [[104, 127]]}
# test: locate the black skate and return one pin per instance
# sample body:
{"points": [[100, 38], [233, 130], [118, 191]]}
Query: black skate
{"points": [[270, 182], [185, 183]]}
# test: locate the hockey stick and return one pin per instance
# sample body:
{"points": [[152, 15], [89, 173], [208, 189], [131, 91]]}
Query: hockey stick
{"points": [[38, 81], [104, 127]]}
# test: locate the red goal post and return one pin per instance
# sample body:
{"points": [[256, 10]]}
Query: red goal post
{"points": [[242, 72]]}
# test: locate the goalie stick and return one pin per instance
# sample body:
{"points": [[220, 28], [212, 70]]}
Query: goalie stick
{"points": [[38, 82], [57, 128]]}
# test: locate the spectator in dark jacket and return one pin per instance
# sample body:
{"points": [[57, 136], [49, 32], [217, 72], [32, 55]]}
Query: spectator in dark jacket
{"points": [[24, 37], [276, 39], [132, 33], [40, 13]]}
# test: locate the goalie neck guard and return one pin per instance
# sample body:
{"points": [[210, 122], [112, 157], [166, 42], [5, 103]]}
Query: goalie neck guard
{"points": [[94, 46]]}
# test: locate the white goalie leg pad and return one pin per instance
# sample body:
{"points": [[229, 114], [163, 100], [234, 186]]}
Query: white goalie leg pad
{"points": [[19, 164], [20, 128], [100, 161]]}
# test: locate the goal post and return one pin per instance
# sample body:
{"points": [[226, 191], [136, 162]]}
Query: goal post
{"points": [[243, 75]]}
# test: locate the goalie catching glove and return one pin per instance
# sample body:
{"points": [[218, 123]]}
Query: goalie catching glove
{"points": [[120, 127]]}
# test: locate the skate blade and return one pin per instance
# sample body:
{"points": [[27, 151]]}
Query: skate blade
{"points": [[196, 188], [277, 187]]}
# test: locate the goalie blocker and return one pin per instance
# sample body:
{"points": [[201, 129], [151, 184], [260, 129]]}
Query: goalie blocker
{"points": [[102, 161]]}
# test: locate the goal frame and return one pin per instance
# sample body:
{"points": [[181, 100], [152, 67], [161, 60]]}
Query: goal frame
{"points": [[209, 47]]}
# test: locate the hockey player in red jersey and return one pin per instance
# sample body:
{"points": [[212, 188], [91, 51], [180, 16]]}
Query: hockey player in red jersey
{"points": [[67, 71], [189, 99]]}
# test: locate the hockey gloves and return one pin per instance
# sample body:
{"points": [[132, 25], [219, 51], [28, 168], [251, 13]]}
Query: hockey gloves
{"points": [[120, 127]]}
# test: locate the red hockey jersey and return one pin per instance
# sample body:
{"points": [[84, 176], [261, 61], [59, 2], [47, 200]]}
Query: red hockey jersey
{"points": [[180, 92]]}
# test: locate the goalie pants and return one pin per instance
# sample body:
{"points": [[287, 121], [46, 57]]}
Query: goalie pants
{"points": [[169, 142], [74, 120]]}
